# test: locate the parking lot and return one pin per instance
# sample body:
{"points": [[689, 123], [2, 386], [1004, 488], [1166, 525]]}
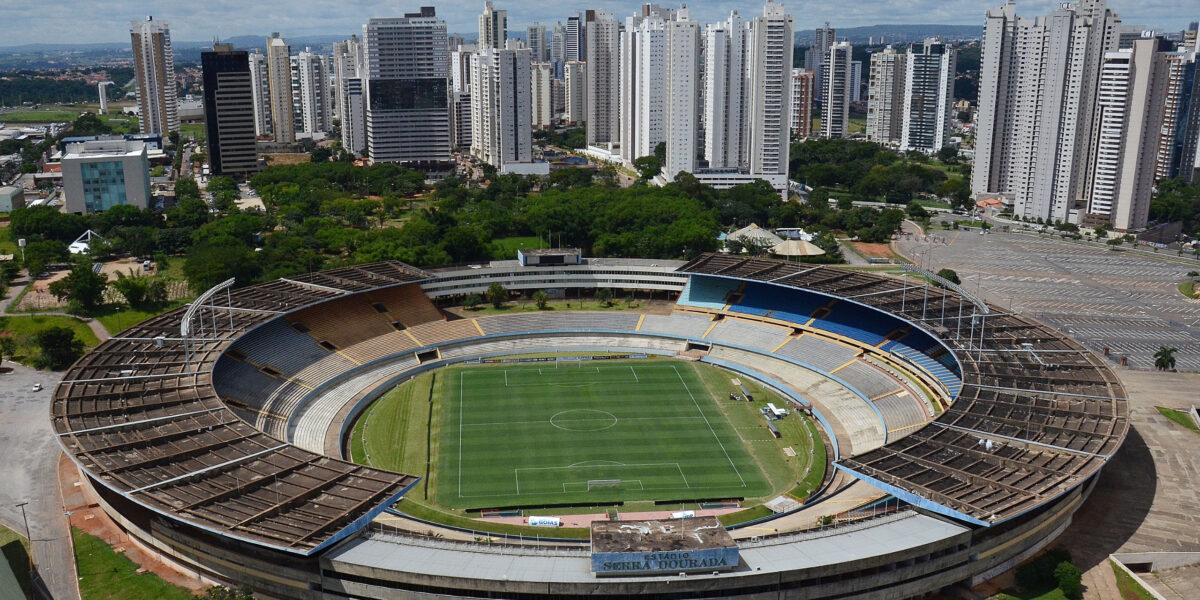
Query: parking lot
{"points": [[1119, 300]]}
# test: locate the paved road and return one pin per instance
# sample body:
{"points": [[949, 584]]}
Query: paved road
{"points": [[29, 473], [1124, 301]]}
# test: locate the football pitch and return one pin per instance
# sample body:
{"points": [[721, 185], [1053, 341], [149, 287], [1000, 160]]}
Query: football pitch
{"points": [[586, 432]]}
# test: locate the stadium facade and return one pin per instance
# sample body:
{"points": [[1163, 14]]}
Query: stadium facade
{"points": [[214, 434]]}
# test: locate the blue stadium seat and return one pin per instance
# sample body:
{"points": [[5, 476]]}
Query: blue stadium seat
{"points": [[706, 292]]}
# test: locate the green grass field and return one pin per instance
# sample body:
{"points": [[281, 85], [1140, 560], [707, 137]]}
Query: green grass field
{"points": [[106, 575], [586, 432]]}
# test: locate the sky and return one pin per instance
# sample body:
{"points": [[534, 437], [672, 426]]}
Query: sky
{"points": [[87, 21]]}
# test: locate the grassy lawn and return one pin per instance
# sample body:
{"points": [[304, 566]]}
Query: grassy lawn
{"points": [[587, 434], [1130, 589], [116, 321], [1179, 416], [8, 245], [1188, 288], [16, 555], [195, 130], [39, 116], [1054, 594], [107, 575], [24, 328], [401, 430]]}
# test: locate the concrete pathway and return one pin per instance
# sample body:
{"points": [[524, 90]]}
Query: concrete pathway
{"points": [[14, 292], [29, 474]]}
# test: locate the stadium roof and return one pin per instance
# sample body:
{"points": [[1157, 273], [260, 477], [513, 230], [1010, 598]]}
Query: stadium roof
{"points": [[1038, 414], [140, 416]]}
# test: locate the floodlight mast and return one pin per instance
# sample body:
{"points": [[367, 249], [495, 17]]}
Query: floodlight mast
{"points": [[979, 311], [197, 307]]}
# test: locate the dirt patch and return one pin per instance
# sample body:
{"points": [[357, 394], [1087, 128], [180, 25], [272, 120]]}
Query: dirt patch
{"points": [[874, 250], [287, 159]]}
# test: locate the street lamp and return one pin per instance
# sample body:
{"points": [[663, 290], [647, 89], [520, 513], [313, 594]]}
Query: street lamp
{"points": [[28, 537]]}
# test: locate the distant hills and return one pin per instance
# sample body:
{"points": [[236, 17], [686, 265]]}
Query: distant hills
{"points": [[896, 33]]}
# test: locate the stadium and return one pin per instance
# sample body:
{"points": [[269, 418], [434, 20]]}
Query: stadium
{"points": [[961, 438]]}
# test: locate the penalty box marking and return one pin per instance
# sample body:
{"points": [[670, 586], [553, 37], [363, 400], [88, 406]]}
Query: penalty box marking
{"points": [[517, 472]]}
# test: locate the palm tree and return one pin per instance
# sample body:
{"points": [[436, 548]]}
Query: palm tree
{"points": [[1164, 359]]}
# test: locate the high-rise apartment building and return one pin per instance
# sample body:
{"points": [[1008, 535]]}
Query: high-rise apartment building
{"points": [[817, 57], [460, 121], [856, 70], [501, 106], [885, 97], [928, 96], [260, 81], [558, 49], [725, 93], [802, 97], [348, 85], [154, 72], [682, 98], [575, 86], [460, 67], [576, 40], [769, 99], [312, 95], [642, 89], [279, 74], [535, 36], [1178, 103], [1185, 158], [493, 27], [835, 110], [408, 113], [1036, 128], [229, 110], [603, 79], [541, 74], [1131, 96]]}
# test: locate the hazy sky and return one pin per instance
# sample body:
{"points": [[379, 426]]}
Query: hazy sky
{"points": [[192, 20]]}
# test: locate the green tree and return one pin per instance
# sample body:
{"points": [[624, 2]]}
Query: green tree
{"points": [[1070, 580], [58, 347], [1164, 359], [916, 211], [647, 166], [39, 255], [186, 189], [82, 287], [604, 296], [141, 292], [496, 294], [472, 300], [949, 275], [8, 346], [540, 298], [218, 259]]}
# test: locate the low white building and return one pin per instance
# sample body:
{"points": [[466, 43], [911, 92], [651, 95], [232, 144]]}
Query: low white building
{"points": [[100, 174]]}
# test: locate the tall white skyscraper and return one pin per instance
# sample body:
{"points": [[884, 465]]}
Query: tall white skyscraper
{"points": [[501, 106], [408, 113], [311, 77], [769, 71], [493, 27], [575, 86], [1036, 127], [154, 71], [460, 67], [682, 101], [535, 36], [928, 96], [725, 93], [642, 84], [348, 83], [1131, 97], [541, 75], [558, 49], [603, 79], [576, 40], [885, 97], [279, 68], [260, 80], [835, 112]]}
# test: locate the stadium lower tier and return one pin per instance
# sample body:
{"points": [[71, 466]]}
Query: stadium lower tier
{"points": [[213, 434]]}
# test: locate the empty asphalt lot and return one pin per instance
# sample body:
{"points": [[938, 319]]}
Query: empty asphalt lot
{"points": [[1125, 301]]}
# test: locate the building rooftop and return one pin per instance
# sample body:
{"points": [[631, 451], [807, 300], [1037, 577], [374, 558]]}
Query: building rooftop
{"points": [[693, 533]]}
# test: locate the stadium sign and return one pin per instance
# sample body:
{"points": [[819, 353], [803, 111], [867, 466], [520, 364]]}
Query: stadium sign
{"points": [[682, 561]]}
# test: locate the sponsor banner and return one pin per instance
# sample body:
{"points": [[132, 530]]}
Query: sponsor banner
{"points": [[669, 562]]}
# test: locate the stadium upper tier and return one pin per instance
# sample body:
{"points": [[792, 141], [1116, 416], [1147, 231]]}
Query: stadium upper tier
{"points": [[1033, 414], [1036, 415]]}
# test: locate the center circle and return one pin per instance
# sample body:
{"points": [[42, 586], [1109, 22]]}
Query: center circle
{"points": [[583, 419]]}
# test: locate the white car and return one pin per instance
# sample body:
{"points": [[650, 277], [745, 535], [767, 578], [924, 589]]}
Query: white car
{"points": [[37, 387]]}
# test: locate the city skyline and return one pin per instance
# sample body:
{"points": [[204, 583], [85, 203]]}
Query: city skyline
{"points": [[193, 22]]}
